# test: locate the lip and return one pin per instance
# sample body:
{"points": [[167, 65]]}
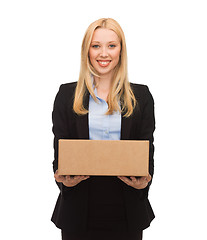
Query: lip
{"points": [[103, 63]]}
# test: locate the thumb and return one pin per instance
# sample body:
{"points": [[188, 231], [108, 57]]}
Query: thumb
{"points": [[149, 178]]}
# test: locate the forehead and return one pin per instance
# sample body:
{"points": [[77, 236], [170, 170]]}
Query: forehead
{"points": [[104, 35]]}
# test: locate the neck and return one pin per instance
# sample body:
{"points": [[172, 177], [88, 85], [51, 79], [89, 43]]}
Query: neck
{"points": [[103, 86], [103, 83]]}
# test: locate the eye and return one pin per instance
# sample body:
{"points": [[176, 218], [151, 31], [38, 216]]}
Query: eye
{"points": [[112, 46], [95, 46]]}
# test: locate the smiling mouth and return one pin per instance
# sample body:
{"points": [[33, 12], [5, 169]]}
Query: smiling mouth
{"points": [[103, 63]]}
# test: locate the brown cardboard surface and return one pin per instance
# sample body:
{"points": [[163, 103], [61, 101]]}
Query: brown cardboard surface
{"points": [[103, 157]]}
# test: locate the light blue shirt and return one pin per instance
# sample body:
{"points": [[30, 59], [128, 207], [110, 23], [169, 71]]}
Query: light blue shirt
{"points": [[101, 126]]}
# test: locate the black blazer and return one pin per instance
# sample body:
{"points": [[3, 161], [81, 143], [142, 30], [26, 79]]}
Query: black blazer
{"points": [[71, 208]]}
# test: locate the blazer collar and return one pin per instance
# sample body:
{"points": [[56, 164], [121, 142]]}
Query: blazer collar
{"points": [[125, 127], [82, 121], [83, 128]]}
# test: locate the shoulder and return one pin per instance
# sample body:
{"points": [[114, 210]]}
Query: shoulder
{"points": [[68, 86], [139, 87], [65, 93], [67, 89], [144, 98], [141, 91]]}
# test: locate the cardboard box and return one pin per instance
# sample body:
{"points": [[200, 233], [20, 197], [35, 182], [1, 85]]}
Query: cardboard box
{"points": [[103, 157]]}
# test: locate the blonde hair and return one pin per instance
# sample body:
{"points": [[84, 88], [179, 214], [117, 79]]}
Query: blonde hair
{"points": [[120, 88]]}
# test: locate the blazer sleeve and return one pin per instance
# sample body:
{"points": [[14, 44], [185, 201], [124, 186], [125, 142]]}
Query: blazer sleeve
{"points": [[148, 126], [60, 124]]}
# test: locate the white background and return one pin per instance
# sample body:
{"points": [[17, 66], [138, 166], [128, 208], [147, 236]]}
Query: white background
{"points": [[40, 49]]}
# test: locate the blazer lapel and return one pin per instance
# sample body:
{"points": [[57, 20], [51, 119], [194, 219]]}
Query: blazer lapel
{"points": [[82, 122], [125, 127], [82, 127]]}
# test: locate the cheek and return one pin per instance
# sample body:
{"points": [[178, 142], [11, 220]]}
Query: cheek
{"points": [[116, 55], [92, 55]]}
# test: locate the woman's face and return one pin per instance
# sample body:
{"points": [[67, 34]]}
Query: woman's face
{"points": [[104, 51]]}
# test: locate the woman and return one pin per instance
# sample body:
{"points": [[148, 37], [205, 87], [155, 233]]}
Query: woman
{"points": [[103, 105]]}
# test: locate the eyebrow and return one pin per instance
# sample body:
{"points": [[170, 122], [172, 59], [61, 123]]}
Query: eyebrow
{"points": [[107, 42]]}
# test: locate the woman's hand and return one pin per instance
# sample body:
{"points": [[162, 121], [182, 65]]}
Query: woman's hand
{"points": [[68, 180], [138, 183]]}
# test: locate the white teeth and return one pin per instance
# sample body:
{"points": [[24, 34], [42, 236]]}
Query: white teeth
{"points": [[104, 63]]}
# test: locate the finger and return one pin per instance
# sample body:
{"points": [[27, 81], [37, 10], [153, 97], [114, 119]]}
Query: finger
{"points": [[59, 178], [57, 173], [126, 180], [149, 178], [142, 186], [71, 177], [134, 180], [142, 181], [76, 177], [144, 178], [68, 178], [86, 177], [79, 178], [121, 178]]}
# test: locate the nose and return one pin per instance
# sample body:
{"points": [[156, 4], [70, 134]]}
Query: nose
{"points": [[104, 52]]}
